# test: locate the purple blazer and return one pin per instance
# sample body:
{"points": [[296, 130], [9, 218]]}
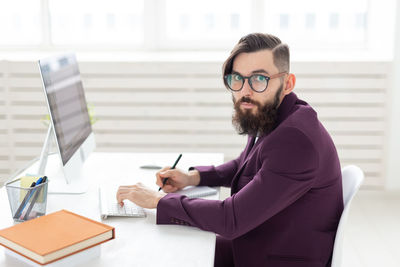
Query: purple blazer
{"points": [[286, 196]]}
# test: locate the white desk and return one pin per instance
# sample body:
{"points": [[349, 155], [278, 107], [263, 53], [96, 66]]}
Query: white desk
{"points": [[139, 241]]}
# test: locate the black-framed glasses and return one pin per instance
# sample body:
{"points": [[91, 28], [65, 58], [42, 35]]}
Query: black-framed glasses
{"points": [[258, 83]]}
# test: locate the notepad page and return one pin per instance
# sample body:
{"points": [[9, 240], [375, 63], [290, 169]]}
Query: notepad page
{"points": [[197, 191]]}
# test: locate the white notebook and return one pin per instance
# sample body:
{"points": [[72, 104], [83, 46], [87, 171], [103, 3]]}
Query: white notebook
{"points": [[197, 191]]}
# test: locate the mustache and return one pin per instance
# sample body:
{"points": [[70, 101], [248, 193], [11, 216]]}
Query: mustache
{"points": [[246, 99]]}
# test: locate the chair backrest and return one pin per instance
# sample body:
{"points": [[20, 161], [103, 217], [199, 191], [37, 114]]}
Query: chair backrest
{"points": [[352, 178]]}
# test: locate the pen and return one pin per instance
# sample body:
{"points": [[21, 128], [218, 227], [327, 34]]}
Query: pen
{"points": [[36, 195], [27, 197], [21, 207], [173, 167]]}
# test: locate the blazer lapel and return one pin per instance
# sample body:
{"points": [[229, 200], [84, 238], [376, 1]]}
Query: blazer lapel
{"points": [[249, 147], [248, 152], [283, 112]]}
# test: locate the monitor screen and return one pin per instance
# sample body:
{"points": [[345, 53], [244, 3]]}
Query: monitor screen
{"points": [[67, 103]]}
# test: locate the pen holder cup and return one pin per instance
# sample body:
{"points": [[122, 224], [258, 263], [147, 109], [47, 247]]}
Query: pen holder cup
{"points": [[26, 203]]}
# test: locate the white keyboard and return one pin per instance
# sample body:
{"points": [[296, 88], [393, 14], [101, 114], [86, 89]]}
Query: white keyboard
{"points": [[110, 207]]}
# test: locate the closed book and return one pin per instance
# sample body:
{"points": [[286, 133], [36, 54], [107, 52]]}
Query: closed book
{"points": [[55, 236]]}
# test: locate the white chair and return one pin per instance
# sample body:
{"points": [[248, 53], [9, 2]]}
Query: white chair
{"points": [[352, 178]]}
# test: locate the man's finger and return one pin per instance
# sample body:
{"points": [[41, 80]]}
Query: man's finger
{"points": [[121, 198], [165, 168], [160, 178], [125, 189], [159, 181], [169, 188], [167, 173]]}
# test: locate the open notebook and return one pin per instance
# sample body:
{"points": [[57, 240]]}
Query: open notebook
{"points": [[197, 191]]}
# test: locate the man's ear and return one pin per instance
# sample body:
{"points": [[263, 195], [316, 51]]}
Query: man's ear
{"points": [[290, 82]]}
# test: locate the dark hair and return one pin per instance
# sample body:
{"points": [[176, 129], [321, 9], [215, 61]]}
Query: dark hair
{"points": [[254, 42]]}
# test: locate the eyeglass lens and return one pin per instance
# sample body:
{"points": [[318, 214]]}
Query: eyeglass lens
{"points": [[257, 82]]}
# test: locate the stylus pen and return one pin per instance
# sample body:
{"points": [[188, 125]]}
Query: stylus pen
{"points": [[22, 205], [35, 197], [26, 199], [173, 167]]}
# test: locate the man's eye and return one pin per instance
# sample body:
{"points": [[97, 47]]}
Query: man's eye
{"points": [[237, 77], [260, 78]]}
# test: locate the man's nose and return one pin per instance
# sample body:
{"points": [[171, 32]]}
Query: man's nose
{"points": [[246, 90]]}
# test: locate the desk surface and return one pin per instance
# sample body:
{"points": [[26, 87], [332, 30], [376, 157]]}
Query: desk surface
{"points": [[139, 241]]}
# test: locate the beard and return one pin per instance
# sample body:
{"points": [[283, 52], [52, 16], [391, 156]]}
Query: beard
{"points": [[261, 123]]}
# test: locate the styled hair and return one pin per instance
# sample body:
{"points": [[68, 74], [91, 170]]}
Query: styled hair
{"points": [[254, 42]]}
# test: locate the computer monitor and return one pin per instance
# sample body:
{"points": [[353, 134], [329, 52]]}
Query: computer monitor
{"points": [[69, 123]]}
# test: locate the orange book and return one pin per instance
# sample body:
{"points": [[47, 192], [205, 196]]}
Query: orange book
{"points": [[55, 236]]}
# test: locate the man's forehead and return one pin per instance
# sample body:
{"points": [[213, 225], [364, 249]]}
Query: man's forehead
{"points": [[255, 61]]}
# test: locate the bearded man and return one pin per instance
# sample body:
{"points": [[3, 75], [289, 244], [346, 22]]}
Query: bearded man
{"points": [[286, 186]]}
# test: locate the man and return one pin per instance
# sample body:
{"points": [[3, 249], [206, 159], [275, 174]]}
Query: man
{"points": [[286, 190]]}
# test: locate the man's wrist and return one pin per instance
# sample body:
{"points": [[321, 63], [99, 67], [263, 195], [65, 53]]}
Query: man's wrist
{"points": [[160, 195], [194, 177]]}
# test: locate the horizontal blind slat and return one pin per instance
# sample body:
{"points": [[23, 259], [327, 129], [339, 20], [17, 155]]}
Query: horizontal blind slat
{"points": [[218, 126], [184, 107]]}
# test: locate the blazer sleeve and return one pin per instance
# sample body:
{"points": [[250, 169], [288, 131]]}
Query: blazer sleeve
{"points": [[288, 170], [221, 175]]}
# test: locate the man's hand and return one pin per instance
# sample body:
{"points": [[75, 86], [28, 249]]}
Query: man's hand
{"points": [[140, 195], [177, 179]]}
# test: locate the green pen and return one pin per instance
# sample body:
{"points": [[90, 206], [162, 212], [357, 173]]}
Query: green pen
{"points": [[173, 167]]}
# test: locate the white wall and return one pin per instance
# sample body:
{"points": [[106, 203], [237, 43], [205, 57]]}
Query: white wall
{"points": [[393, 158]]}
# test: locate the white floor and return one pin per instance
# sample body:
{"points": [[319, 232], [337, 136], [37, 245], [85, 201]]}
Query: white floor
{"points": [[372, 234], [373, 230]]}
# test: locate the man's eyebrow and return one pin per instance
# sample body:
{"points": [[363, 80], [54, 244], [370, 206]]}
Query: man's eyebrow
{"points": [[260, 70], [254, 71]]}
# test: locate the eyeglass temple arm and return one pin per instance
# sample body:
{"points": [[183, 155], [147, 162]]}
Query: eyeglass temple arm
{"points": [[278, 75]]}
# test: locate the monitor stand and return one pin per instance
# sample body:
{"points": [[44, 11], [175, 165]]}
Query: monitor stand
{"points": [[55, 171]]}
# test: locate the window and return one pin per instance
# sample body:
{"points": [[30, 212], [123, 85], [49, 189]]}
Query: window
{"points": [[319, 24], [18, 25], [173, 25], [96, 22], [212, 22], [333, 21]]}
